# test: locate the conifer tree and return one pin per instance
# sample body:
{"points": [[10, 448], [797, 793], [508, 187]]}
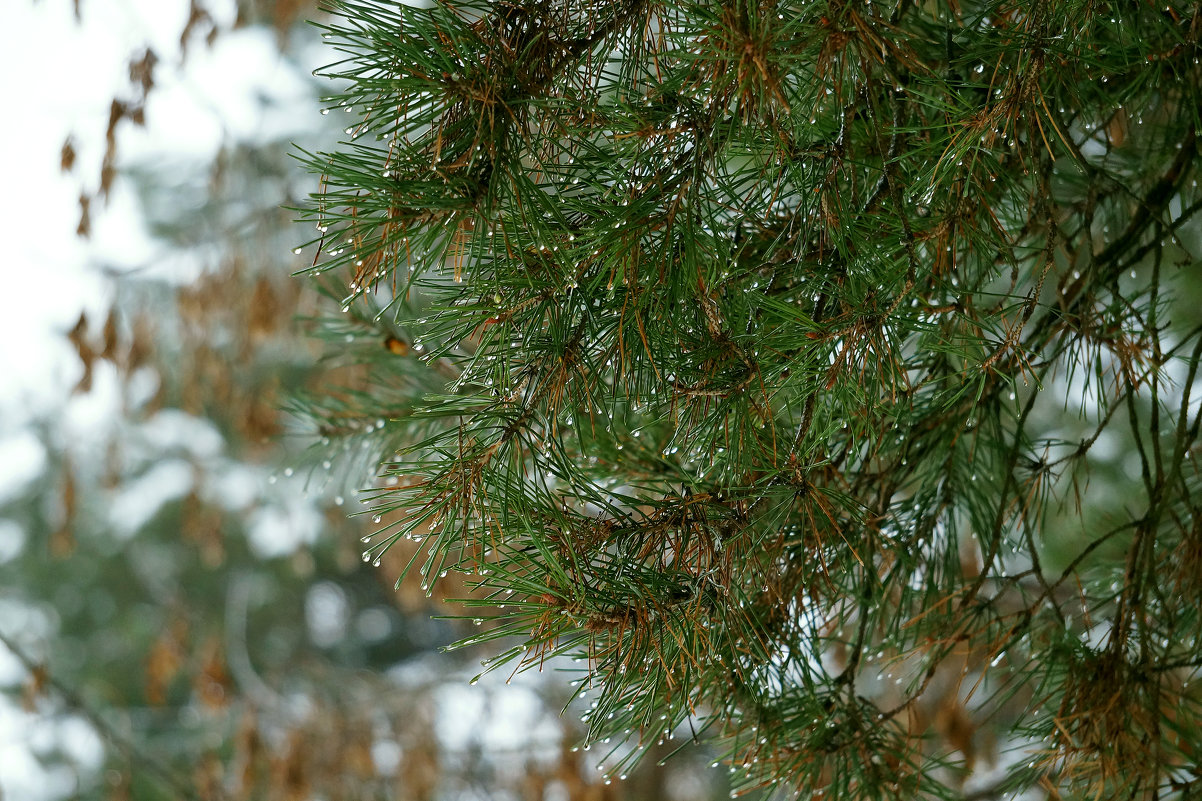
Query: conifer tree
{"points": [[822, 375]]}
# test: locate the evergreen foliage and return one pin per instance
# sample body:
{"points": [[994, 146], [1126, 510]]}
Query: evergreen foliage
{"points": [[822, 376]]}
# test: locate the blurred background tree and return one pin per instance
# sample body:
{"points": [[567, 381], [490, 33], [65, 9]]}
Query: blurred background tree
{"points": [[184, 612]]}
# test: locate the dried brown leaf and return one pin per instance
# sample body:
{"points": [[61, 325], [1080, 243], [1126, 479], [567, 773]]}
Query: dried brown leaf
{"points": [[84, 228], [78, 336], [66, 159], [141, 70], [111, 337]]}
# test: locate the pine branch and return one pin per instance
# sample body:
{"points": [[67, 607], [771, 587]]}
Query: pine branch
{"points": [[734, 304]]}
